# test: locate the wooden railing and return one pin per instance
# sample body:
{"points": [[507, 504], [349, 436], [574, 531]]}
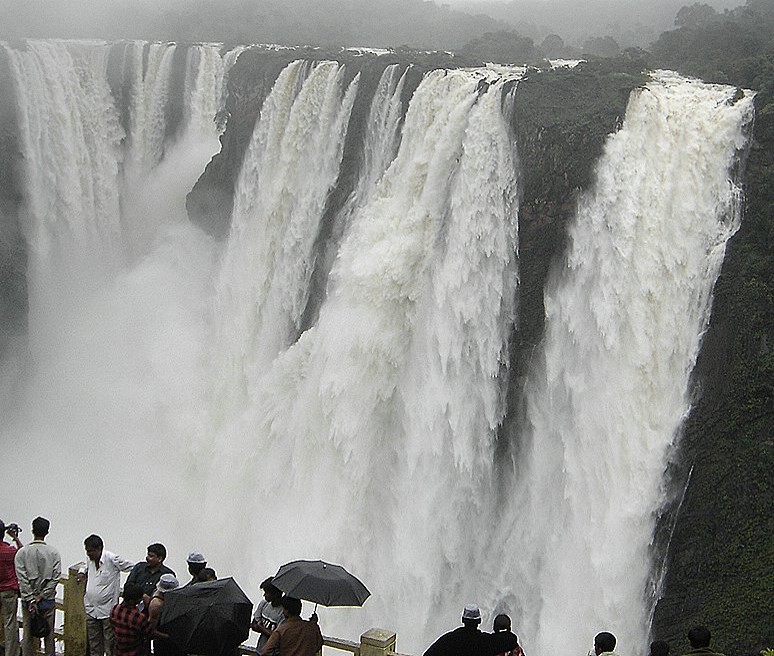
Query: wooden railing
{"points": [[374, 642]]}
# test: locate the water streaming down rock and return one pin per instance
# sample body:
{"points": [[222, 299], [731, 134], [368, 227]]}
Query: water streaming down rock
{"points": [[70, 137], [609, 388], [151, 67], [370, 440], [289, 169], [341, 404]]}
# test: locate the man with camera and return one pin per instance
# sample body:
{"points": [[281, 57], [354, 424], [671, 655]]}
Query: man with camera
{"points": [[9, 589], [38, 568]]}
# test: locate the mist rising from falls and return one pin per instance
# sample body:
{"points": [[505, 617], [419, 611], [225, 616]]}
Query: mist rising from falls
{"points": [[165, 371]]}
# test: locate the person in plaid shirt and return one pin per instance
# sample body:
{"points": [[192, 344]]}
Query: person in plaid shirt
{"points": [[131, 629]]}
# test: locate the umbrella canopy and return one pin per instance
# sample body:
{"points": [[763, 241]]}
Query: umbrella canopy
{"points": [[207, 618], [320, 582]]}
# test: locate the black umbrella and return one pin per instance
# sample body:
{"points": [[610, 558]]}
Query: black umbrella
{"points": [[320, 582], [207, 618]]}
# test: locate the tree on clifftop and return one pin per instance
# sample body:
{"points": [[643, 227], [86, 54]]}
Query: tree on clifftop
{"points": [[503, 48], [695, 15]]}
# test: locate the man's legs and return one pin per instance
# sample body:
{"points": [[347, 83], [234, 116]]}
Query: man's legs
{"points": [[94, 634], [48, 641], [107, 632], [8, 609], [29, 643]]}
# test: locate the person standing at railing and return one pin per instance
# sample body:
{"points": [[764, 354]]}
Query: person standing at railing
{"points": [[131, 628], [147, 574], [162, 646], [268, 614], [196, 563], [466, 640], [294, 636], [504, 641], [38, 568], [9, 589], [103, 587]]}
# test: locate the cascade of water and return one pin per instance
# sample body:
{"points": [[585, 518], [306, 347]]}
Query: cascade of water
{"points": [[380, 143], [290, 166], [150, 87], [609, 390], [205, 73], [114, 362], [332, 407], [70, 134], [370, 440], [152, 202], [229, 59], [382, 136]]}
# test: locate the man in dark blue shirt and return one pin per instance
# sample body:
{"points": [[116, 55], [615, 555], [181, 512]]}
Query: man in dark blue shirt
{"points": [[146, 574]]}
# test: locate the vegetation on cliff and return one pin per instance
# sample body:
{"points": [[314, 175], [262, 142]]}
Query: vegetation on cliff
{"points": [[721, 558]]}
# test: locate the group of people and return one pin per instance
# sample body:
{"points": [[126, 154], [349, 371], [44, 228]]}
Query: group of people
{"points": [[124, 622], [469, 640]]}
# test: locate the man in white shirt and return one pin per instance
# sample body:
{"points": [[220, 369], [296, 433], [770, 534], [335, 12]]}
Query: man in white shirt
{"points": [[103, 587]]}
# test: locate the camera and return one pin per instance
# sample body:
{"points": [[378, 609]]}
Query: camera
{"points": [[13, 529]]}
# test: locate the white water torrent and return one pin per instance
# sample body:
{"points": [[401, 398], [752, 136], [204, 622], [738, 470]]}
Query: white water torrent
{"points": [[609, 389], [289, 169], [166, 393]]}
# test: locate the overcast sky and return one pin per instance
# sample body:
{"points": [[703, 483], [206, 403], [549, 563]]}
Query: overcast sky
{"points": [[572, 19]]}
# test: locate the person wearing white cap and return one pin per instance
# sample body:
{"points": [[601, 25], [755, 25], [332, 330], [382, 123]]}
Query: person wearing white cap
{"points": [[196, 563], [162, 646], [465, 640]]}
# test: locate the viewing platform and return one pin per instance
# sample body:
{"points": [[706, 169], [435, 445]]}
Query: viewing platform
{"points": [[70, 627]]}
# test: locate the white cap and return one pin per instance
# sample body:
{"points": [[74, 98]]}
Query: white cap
{"points": [[471, 612], [167, 582]]}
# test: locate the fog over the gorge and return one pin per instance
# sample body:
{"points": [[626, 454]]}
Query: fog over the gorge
{"points": [[416, 23]]}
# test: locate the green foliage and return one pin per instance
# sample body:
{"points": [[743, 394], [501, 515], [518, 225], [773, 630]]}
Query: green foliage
{"points": [[695, 15], [504, 48], [601, 46]]}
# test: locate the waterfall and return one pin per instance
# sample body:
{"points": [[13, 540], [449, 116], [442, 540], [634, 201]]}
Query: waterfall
{"points": [[290, 167], [174, 394], [70, 135], [151, 66], [346, 418], [610, 385]]}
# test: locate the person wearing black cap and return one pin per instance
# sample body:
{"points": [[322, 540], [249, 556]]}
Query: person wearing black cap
{"points": [[504, 641]]}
